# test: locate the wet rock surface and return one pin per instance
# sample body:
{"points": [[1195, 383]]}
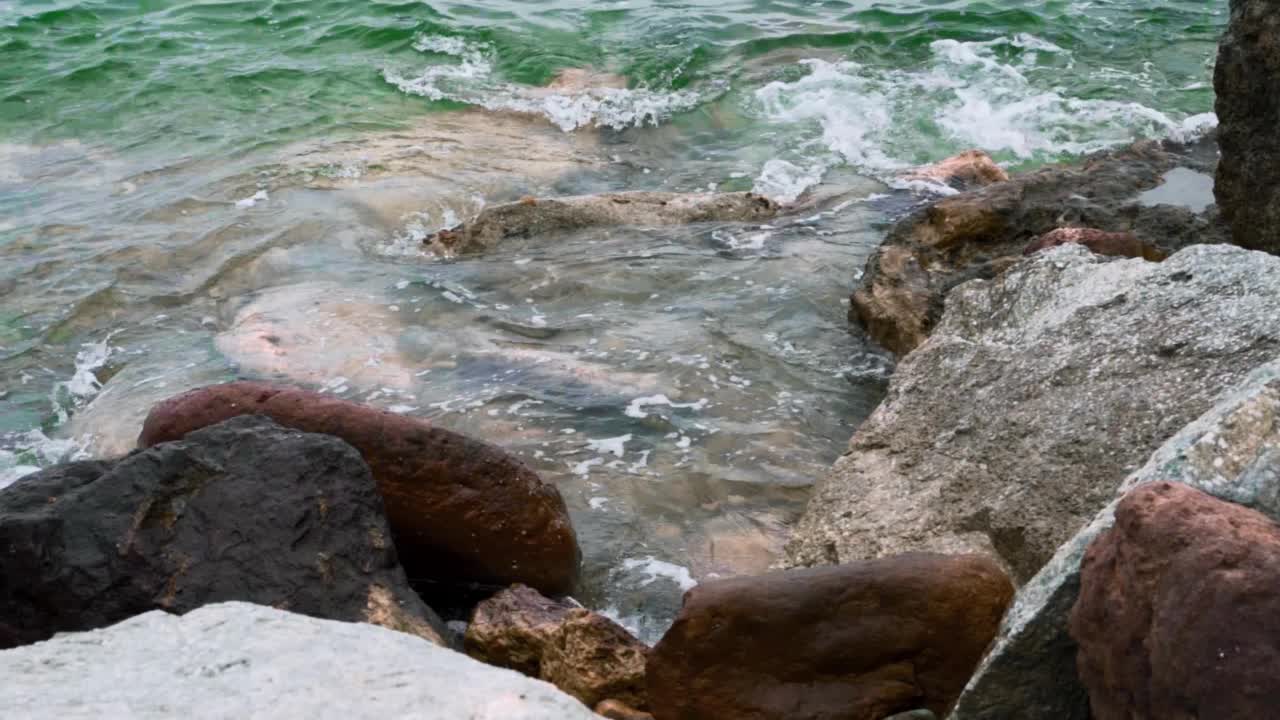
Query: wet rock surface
{"points": [[244, 510], [1231, 452], [535, 216], [968, 236], [1179, 609], [1247, 81], [583, 653], [460, 510], [1039, 392], [1100, 242], [236, 660], [857, 641], [968, 170]]}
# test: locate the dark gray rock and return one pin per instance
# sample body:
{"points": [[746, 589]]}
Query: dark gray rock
{"points": [[244, 510], [1247, 82]]}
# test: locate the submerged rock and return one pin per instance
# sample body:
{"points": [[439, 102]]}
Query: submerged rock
{"points": [[1179, 609], [583, 653], [1040, 391], [1231, 452], [245, 510], [972, 235], [235, 660], [970, 169], [532, 216], [460, 510], [859, 641], [1247, 81]]}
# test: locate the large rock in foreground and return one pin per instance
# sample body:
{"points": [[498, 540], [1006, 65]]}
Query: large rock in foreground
{"points": [[855, 642], [246, 510], [235, 660], [1231, 452], [460, 509], [583, 653], [977, 234], [1039, 392], [1179, 609], [1247, 82]]}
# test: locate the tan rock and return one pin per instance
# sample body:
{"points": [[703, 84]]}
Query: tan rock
{"points": [[615, 710], [969, 169]]}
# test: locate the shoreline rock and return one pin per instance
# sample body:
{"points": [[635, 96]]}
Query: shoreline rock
{"points": [[243, 510], [536, 216], [972, 235], [460, 510], [1040, 391]]}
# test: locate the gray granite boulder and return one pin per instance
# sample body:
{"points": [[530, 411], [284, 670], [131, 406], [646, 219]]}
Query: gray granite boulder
{"points": [[236, 660], [1231, 452], [1039, 392]]}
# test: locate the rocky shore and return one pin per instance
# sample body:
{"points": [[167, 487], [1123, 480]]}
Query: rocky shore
{"points": [[1067, 506]]}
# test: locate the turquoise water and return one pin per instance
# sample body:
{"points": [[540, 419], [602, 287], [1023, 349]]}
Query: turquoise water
{"points": [[181, 180]]}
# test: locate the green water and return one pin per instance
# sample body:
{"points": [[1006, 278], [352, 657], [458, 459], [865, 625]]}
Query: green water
{"points": [[194, 192]]}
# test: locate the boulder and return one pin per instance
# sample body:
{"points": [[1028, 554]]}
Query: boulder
{"points": [[856, 642], [245, 510], [583, 653], [1246, 80], [1101, 242], [235, 660], [1231, 452], [536, 216], [1039, 392], [970, 169], [1179, 609], [460, 510], [967, 236]]}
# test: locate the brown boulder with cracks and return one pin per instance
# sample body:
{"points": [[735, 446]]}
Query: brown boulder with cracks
{"points": [[854, 642], [460, 510], [536, 216], [1179, 609], [583, 653]]}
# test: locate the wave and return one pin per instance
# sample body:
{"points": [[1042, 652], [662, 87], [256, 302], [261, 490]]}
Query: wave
{"points": [[992, 95], [470, 79]]}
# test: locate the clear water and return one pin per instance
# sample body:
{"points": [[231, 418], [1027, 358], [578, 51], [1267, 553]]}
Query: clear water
{"points": [[196, 191]]}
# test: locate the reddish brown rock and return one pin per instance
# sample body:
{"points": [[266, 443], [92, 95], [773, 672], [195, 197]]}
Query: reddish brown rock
{"points": [[459, 509], [1099, 242], [584, 654], [1179, 610], [615, 710], [969, 169], [849, 642]]}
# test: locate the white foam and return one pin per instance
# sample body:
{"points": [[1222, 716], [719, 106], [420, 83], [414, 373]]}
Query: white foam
{"points": [[655, 569], [34, 450], [471, 80], [995, 95], [615, 446], [260, 196], [83, 385], [636, 408]]}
